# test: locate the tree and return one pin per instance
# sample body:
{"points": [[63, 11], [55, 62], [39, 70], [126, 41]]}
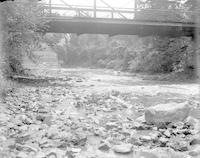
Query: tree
{"points": [[1, 47], [23, 27], [162, 10]]}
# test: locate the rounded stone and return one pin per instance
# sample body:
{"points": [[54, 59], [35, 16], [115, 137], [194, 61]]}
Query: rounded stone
{"points": [[123, 148]]}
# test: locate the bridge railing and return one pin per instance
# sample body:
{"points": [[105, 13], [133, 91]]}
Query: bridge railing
{"points": [[88, 11], [67, 10]]}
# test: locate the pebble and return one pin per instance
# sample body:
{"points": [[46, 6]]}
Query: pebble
{"points": [[146, 138], [76, 150]]}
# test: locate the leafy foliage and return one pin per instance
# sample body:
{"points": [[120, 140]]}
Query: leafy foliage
{"points": [[22, 27], [166, 10], [128, 53]]}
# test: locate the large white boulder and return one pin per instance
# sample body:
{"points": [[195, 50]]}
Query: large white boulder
{"points": [[161, 153], [170, 112]]}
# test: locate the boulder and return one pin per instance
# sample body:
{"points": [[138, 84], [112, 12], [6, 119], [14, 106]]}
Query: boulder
{"points": [[161, 153], [166, 113], [104, 147], [123, 148], [195, 123], [195, 152], [147, 154], [195, 140]]}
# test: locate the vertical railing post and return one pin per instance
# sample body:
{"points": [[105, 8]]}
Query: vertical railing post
{"points": [[95, 8], [79, 13], [50, 7], [113, 9], [112, 14], [135, 9]]}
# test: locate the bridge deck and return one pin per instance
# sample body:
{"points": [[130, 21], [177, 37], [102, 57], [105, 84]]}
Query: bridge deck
{"points": [[118, 26]]}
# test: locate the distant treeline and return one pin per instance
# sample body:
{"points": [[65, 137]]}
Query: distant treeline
{"points": [[125, 53]]}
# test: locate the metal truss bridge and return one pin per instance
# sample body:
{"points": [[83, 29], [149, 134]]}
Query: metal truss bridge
{"points": [[66, 18]]}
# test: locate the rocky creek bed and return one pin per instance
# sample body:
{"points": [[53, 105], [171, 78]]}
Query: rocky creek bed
{"points": [[88, 114]]}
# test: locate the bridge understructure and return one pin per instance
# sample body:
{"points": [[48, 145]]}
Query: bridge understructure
{"points": [[118, 21]]}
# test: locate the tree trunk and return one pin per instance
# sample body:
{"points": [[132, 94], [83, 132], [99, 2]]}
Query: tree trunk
{"points": [[2, 54], [1, 39]]}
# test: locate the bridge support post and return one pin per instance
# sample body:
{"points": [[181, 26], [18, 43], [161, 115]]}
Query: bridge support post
{"points": [[95, 8]]}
